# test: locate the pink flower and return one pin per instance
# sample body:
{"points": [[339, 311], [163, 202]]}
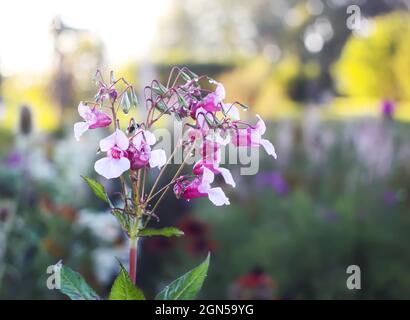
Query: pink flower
{"points": [[116, 162], [93, 119], [215, 169], [252, 137], [211, 151], [211, 147], [140, 153], [200, 187], [212, 101], [105, 93], [211, 158], [139, 157]]}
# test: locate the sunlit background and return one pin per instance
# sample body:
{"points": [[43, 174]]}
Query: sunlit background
{"points": [[337, 103]]}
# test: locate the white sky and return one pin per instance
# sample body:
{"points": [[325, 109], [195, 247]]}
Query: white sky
{"points": [[126, 27]]}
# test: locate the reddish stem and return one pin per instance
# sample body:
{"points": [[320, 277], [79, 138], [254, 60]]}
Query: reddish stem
{"points": [[133, 260]]}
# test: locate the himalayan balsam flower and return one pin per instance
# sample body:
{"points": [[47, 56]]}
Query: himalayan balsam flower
{"points": [[140, 153], [215, 124], [212, 102], [116, 161], [206, 113], [208, 124], [200, 187], [93, 119], [252, 137], [211, 158]]}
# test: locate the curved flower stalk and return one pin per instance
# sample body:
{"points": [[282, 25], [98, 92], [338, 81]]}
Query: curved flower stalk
{"points": [[209, 124]]}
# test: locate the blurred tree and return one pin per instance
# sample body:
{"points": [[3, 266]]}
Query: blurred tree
{"points": [[314, 31], [78, 54], [377, 64]]}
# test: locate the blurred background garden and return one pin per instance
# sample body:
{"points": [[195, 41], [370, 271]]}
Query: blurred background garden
{"points": [[337, 105]]}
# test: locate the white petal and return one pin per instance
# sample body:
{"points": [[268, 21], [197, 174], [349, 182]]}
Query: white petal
{"points": [[121, 140], [157, 158], [261, 125], [218, 197], [256, 137], [149, 137], [207, 176], [270, 149], [117, 138], [80, 128], [83, 110], [108, 142], [111, 168], [220, 92], [138, 138], [226, 174]]}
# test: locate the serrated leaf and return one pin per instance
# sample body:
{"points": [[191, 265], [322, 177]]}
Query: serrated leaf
{"points": [[124, 289], [97, 188], [187, 286], [165, 232], [74, 286], [125, 103]]}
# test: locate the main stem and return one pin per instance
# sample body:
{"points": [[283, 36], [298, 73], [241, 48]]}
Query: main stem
{"points": [[133, 258]]}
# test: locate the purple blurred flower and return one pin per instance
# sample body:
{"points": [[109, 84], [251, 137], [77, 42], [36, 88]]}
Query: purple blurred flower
{"points": [[390, 198], [275, 180], [387, 108], [14, 159], [331, 216]]}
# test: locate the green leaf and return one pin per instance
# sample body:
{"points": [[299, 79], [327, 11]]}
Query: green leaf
{"points": [[74, 286], [187, 286], [97, 188], [122, 219], [124, 289], [125, 103], [165, 232]]}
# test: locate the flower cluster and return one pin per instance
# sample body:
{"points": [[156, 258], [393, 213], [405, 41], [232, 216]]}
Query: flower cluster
{"points": [[209, 124]]}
